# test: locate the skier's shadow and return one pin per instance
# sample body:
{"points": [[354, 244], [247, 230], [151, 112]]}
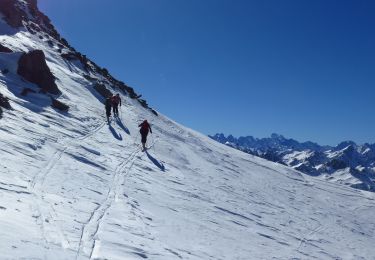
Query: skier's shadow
{"points": [[122, 126], [160, 165], [114, 133]]}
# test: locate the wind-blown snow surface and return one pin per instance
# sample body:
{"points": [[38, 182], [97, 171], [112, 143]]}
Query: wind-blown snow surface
{"points": [[72, 187]]}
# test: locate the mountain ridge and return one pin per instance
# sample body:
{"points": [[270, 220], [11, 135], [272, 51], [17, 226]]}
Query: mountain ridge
{"points": [[355, 162], [25, 15]]}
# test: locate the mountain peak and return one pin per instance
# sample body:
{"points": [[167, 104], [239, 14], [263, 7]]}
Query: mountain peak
{"points": [[25, 14], [345, 144], [277, 136]]}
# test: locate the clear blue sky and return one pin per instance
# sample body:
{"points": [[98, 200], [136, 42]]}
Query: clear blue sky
{"points": [[304, 69]]}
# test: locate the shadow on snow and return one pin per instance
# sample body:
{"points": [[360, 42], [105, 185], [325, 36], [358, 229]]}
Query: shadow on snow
{"points": [[114, 133], [122, 126], [160, 165]]}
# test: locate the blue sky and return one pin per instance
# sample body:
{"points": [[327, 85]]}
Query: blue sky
{"points": [[304, 69]]}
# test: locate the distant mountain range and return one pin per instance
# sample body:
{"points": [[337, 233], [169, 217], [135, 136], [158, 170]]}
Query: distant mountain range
{"points": [[347, 163]]}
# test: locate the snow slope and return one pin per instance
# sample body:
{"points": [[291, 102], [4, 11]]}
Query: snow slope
{"points": [[73, 187]]}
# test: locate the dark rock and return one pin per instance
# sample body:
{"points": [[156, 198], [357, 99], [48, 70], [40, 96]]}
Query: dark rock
{"points": [[271, 155], [69, 56], [30, 30], [102, 90], [307, 168], [154, 112], [88, 77], [13, 15], [128, 90], [344, 144], [59, 105], [5, 71], [143, 103], [33, 67], [104, 72], [77, 56], [5, 49], [26, 91], [337, 164], [34, 27], [64, 42], [4, 102]]}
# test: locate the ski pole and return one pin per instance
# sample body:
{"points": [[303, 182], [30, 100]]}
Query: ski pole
{"points": [[121, 113]]}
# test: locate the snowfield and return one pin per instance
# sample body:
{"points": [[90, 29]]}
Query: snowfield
{"points": [[73, 187]]}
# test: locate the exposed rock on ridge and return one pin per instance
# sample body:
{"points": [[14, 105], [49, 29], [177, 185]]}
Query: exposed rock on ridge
{"points": [[33, 67]]}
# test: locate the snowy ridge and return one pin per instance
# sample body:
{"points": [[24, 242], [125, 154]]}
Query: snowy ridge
{"points": [[73, 187]]}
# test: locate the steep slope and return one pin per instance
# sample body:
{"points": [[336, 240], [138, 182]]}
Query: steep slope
{"points": [[347, 163], [73, 187]]}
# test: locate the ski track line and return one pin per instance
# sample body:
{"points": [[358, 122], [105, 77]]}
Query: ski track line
{"points": [[307, 237], [91, 228], [83, 137], [38, 180], [56, 157]]}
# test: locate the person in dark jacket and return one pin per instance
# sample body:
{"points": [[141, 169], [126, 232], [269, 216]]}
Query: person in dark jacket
{"points": [[116, 100], [108, 106], [145, 128]]}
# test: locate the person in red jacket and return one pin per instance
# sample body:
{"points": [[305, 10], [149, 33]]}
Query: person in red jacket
{"points": [[116, 100], [145, 128]]}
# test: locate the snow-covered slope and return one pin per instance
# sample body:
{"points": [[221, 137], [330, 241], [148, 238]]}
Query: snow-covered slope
{"points": [[73, 187]]}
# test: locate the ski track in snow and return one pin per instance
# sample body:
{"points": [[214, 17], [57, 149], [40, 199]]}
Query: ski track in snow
{"points": [[73, 187], [36, 186], [91, 228]]}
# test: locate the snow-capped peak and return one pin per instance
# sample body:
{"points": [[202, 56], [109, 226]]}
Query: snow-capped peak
{"points": [[312, 158]]}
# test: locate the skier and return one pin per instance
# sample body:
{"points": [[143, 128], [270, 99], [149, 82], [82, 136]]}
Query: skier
{"points": [[145, 127], [116, 100], [108, 106]]}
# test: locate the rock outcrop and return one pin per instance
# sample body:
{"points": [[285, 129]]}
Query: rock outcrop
{"points": [[102, 90], [5, 49], [59, 105], [33, 67], [4, 103], [12, 15]]}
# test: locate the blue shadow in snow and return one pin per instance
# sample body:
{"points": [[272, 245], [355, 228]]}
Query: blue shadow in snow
{"points": [[114, 133], [33, 101], [160, 165], [122, 126]]}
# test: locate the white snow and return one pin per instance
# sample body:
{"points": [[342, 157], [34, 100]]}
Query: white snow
{"points": [[72, 187], [367, 150], [296, 155]]}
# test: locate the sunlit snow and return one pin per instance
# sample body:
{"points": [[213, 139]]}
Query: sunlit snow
{"points": [[73, 187]]}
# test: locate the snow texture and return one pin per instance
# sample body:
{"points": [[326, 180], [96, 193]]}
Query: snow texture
{"points": [[74, 187]]}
